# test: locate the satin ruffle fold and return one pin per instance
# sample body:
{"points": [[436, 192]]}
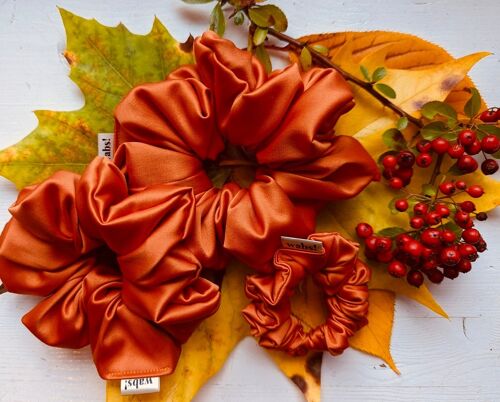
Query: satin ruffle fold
{"points": [[342, 279], [283, 122], [118, 271]]}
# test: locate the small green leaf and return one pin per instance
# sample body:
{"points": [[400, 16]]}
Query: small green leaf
{"points": [[391, 232], [263, 56], [473, 105], [434, 130], [305, 59], [489, 129], [378, 74], [197, 1], [394, 139], [218, 20], [392, 206], [496, 155], [454, 170], [268, 16], [428, 189], [402, 123], [431, 109], [239, 18], [386, 90], [365, 73], [259, 36], [323, 50]]}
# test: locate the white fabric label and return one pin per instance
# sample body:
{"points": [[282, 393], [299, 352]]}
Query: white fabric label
{"points": [[136, 386], [106, 145], [295, 243]]}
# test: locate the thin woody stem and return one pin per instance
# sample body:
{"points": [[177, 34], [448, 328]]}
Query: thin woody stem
{"points": [[325, 62], [437, 170]]}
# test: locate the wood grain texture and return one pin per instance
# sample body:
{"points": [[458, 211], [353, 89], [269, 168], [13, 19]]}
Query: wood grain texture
{"points": [[440, 360]]}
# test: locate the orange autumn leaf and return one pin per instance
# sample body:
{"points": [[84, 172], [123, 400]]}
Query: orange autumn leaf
{"points": [[397, 51], [375, 338]]}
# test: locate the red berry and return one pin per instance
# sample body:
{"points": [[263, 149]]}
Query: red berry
{"points": [[447, 188], [397, 268], [467, 164], [415, 278], [424, 146], [385, 257], [424, 160], [448, 236], [481, 216], [401, 205], [464, 266], [432, 218], [413, 247], [467, 206], [427, 253], [481, 246], [406, 159], [389, 161], [474, 148], [429, 264], [489, 166], [404, 174], [450, 272], [490, 115], [490, 144], [431, 237], [435, 276], [396, 183], [461, 217], [442, 210], [466, 137], [371, 243], [460, 184], [440, 145], [475, 191], [383, 244], [449, 256], [471, 236], [364, 230], [466, 250], [466, 224], [456, 151], [420, 208], [416, 222], [402, 239]]}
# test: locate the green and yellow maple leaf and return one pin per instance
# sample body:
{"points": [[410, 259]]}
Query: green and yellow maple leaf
{"points": [[105, 64]]}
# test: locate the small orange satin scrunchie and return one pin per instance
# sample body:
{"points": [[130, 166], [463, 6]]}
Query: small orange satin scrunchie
{"points": [[343, 280], [275, 129], [118, 271]]}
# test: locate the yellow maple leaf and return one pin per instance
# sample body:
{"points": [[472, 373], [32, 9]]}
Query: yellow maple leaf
{"points": [[375, 337]]}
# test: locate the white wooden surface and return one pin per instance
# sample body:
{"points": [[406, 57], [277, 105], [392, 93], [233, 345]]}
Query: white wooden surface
{"points": [[455, 360]]}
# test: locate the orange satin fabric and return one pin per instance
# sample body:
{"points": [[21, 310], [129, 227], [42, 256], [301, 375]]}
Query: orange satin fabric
{"points": [[343, 280], [283, 122], [118, 271], [118, 253]]}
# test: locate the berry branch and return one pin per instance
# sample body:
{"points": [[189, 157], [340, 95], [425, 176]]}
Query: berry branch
{"points": [[324, 61]]}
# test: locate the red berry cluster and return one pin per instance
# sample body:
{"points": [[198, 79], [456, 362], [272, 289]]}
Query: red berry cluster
{"points": [[431, 249], [398, 169]]}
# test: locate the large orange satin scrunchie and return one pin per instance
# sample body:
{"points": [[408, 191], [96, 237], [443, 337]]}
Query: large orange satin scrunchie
{"points": [[342, 279], [118, 271], [227, 111]]}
